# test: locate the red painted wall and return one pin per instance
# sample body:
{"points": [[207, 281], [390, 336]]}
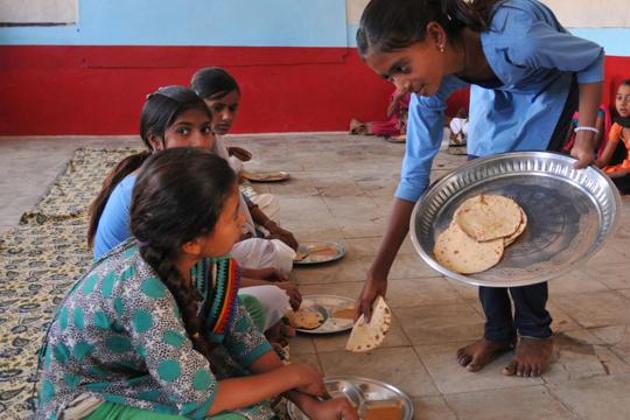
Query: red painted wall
{"points": [[57, 90]]}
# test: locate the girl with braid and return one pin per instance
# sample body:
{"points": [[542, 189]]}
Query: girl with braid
{"points": [[154, 328]]}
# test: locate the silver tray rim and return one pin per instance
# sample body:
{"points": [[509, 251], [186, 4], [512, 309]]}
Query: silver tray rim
{"points": [[406, 400], [341, 247], [439, 185], [315, 331]]}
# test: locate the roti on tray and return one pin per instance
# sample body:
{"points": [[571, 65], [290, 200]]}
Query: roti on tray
{"points": [[460, 253], [486, 216], [482, 227], [367, 336], [509, 240]]}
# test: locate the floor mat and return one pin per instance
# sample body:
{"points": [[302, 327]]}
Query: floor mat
{"points": [[39, 261]]}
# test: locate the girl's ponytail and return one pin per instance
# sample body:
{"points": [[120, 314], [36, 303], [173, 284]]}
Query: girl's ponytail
{"points": [[124, 168]]}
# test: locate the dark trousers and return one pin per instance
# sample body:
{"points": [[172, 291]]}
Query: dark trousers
{"points": [[530, 318]]}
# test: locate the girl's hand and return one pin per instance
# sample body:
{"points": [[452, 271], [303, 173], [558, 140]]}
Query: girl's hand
{"points": [[338, 408], [309, 380], [267, 273], [276, 232], [583, 149], [619, 174], [295, 297], [240, 153], [373, 287]]}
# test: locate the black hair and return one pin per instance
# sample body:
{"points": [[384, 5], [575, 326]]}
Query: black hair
{"points": [[625, 82], [160, 110], [213, 83], [179, 196], [390, 25]]}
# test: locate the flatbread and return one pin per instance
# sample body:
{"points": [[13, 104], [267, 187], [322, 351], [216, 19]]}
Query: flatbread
{"points": [[366, 336], [507, 241], [460, 253], [307, 319], [486, 217]]}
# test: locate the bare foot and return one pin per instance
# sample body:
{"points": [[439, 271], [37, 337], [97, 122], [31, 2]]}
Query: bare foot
{"points": [[532, 357], [478, 354]]}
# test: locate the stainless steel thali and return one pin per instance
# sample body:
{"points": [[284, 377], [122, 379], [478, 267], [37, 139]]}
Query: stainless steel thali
{"points": [[327, 305], [360, 392], [319, 252], [570, 214]]}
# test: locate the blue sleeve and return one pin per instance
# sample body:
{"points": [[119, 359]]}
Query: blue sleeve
{"points": [[425, 129], [113, 226], [539, 45]]}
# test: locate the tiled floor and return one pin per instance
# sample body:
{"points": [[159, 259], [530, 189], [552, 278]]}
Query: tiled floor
{"points": [[341, 189]]}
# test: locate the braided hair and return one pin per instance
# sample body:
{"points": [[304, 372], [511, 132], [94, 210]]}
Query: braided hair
{"points": [[179, 196]]}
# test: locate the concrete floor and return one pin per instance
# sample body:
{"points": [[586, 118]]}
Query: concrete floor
{"points": [[341, 189]]}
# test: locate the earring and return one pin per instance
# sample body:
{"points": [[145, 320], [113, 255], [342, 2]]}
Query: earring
{"points": [[442, 48]]}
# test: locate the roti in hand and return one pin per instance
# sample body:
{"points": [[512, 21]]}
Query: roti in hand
{"points": [[486, 217], [460, 253], [367, 336]]}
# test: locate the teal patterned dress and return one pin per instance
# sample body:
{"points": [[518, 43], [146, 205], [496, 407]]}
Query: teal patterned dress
{"points": [[118, 336]]}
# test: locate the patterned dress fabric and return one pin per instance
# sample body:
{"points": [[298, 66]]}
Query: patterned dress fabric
{"points": [[119, 336]]}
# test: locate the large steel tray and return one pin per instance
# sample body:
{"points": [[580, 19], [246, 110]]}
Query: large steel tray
{"points": [[570, 214]]}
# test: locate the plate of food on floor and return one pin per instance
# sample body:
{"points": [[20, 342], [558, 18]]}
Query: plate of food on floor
{"points": [[514, 219], [323, 314], [318, 252], [265, 176], [373, 399]]}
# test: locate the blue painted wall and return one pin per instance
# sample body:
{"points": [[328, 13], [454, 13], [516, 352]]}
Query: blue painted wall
{"points": [[270, 23]]}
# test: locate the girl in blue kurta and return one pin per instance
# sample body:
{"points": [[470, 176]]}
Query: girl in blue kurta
{"points": [[527, 76], [154, 329]]}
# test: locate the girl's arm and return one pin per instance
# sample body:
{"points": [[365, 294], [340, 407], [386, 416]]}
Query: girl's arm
{"points": [[376, 282], [260, 218], [271, 377], [608, 152], [424, 135], [585, 141], [307, 403], [393, 106]]}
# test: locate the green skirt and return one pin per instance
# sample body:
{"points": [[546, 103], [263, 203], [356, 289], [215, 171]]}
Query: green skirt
{"points": [[111, 411]]}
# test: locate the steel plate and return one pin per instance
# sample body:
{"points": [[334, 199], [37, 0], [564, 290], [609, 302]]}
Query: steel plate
{"points": [[570, 214], [326, 305], [367, 390], [320, 252]]}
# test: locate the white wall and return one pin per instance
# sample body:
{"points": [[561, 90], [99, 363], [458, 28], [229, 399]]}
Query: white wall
{"points": [[592, 13], [571, 13], [38, 11]]}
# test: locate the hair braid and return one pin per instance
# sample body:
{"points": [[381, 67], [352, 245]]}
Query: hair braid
{"points": [[186, 297]]}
